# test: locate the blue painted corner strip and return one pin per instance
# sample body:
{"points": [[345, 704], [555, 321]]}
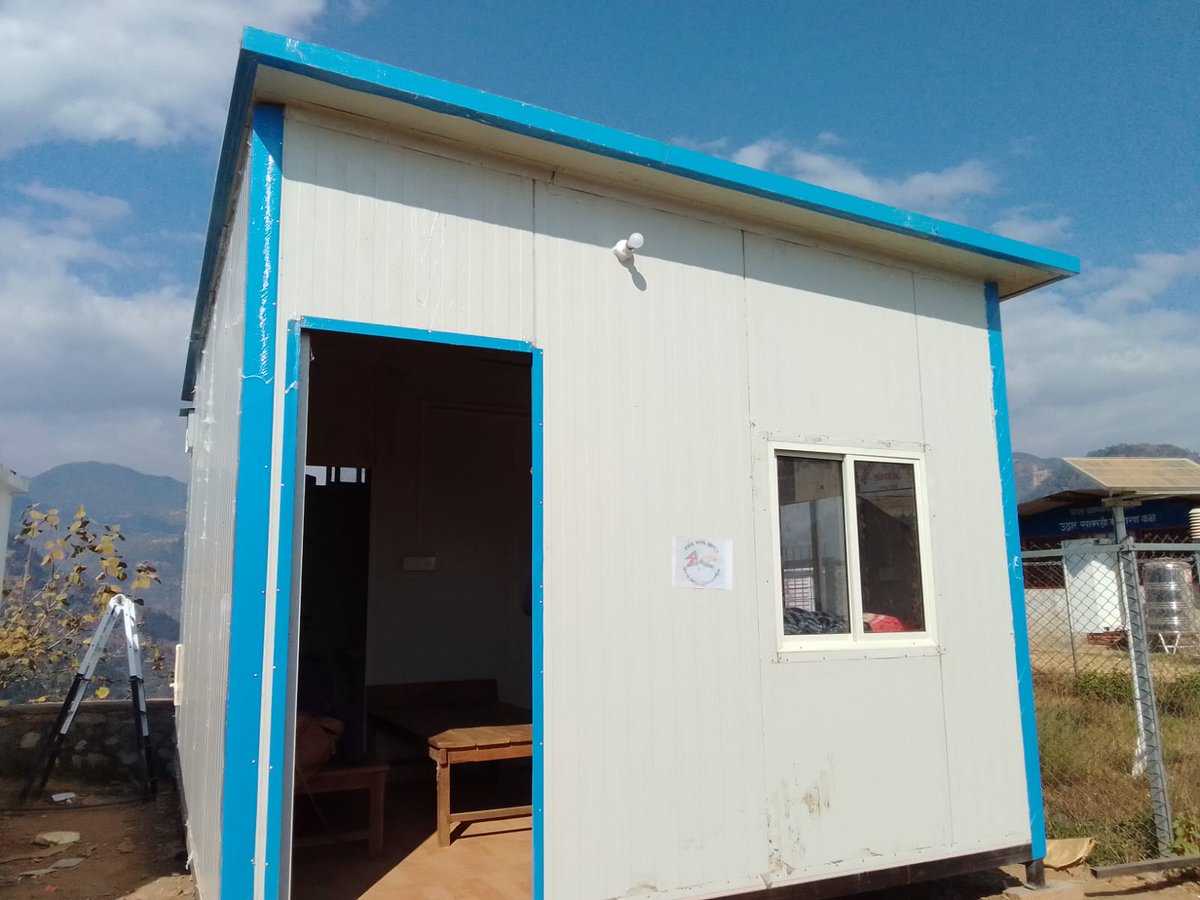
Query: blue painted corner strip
{"points": [[1016, 580], [251, 545]]}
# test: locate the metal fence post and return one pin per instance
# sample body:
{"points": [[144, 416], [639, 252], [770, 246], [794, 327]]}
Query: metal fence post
{"points": [[1149, 733]]}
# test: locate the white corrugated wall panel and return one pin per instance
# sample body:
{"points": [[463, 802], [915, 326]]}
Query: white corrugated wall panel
{"points": [[833, 345], [208, 568], [855, 764], [855, 747], [653, 733], [375, 232], [974, 611]]}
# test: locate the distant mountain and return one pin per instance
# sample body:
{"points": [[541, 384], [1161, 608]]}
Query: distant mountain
{"points": [[150, 510], [1038, 476], [110, 493], [1158, 450]]}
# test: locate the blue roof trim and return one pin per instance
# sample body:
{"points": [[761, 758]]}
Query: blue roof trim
{"points": [[349, 71], [368, 76]]}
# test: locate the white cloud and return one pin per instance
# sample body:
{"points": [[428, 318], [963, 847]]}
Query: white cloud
{"points": [[1024, 224], [1151, 275], [86, 374], [1026, 145], [138, 70], [360, 9], [830, 139], [945, 193], [1108, 357], [82, 204]]}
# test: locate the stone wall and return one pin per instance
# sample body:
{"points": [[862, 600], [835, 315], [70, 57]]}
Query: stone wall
{"points": [[100, 746]]}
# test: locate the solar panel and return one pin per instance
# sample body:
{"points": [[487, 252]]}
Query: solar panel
{"points": [[1141, 475]]}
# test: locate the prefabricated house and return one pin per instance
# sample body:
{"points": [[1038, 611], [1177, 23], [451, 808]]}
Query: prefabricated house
{"points": [[648, 517]]}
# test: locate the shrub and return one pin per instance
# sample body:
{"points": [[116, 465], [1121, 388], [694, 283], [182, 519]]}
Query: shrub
{"points": [[1108, 687], [48, 614], [1180, 697]]}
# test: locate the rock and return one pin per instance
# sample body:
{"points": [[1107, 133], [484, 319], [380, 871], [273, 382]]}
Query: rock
{"points": [[55, 838], [128, 757], [1054, 890], [34, 873], [126, 844], [30, 739], [96, 760], [69, 863], [81, 745]]}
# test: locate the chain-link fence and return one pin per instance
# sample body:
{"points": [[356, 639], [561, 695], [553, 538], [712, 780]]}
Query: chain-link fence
{"points": [[1114, 631]]}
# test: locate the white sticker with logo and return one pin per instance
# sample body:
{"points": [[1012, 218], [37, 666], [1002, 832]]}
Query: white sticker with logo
{"points": [[702, 563]]}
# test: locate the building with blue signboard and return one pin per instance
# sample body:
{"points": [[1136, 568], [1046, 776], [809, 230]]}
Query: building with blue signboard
{"points": [[1068, 515]]}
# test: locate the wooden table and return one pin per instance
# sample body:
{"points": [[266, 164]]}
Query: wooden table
{"points": [[371, 779], [465, 734]]}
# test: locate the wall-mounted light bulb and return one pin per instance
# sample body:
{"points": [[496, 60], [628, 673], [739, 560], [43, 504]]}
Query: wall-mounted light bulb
{"points": [[623, 249]]}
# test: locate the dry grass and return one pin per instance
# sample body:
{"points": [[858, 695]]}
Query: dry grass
{"points": [[1087, 732]]}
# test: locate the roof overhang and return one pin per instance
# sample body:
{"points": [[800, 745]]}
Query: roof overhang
{"points": [[1077, 497], [283, 70], [1127, 480]]}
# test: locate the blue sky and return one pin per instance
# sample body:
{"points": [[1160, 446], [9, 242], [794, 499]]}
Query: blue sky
{"points": [[1071, 124]]}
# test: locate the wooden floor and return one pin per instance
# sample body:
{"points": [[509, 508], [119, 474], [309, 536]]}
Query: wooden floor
{"points": [[486, 861]]}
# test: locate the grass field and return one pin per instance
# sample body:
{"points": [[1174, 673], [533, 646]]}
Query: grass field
{"points": [[1087, 734]]}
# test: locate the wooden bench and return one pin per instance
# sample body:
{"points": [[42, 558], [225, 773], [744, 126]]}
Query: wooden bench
{"points": [[475, 744], [372, 779], [461, 722]]}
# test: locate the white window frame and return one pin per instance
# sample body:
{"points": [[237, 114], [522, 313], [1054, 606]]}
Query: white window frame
{"points": [[856, 639]]}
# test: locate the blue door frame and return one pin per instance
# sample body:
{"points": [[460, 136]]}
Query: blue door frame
{"points": [[288, 489]]}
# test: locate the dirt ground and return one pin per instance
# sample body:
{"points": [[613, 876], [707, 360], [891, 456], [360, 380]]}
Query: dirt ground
{"points": [[128, 850], [991, 885], [135, 851]]}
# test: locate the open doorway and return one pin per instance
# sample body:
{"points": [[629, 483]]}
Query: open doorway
{"points": [[414, 668]]}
